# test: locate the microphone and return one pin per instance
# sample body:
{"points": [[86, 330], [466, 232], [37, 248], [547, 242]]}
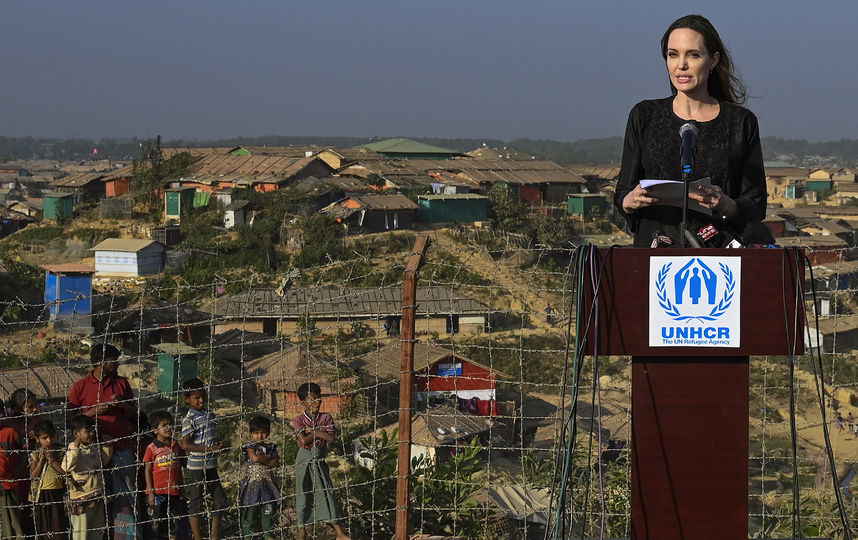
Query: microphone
{"points": [[710, 237], [661, 240], [688, 133]]}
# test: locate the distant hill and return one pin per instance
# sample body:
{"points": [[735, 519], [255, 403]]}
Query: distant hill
{"points": [[586, 151]]}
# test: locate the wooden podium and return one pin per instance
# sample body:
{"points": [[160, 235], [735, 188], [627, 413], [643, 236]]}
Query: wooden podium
{"points": [[690, 404]]}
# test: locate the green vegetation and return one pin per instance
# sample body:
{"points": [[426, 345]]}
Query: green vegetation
{"points": [[25, 280], [505, 208], [322, 243], [435, 490], [151, 172], [553, 235], [41, 235]]}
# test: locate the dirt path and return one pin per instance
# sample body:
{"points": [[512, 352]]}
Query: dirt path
{"points": [[528, 292]]}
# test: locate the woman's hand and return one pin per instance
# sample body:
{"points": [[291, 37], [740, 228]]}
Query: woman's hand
{"points": [[638, 198], [714, 198]]}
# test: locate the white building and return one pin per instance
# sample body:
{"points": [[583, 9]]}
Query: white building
{"points": [[128, 257], [237, 213]]}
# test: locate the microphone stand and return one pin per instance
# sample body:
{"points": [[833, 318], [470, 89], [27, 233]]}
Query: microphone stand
{"points": [[686, 179]]}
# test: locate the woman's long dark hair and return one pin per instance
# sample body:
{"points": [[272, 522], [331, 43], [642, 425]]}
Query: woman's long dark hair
{"points": [[723, 84]]}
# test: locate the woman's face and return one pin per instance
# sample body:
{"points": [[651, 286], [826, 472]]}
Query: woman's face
{"points": [[688, 62]]}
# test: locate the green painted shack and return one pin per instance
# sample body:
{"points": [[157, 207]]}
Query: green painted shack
{"points": [[459, 208], [818, 185], [59, 206], [586, 204], [178, 201], [177, 362], [407, 149]]}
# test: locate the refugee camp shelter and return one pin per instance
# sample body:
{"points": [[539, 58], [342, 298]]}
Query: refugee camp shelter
{"points": [[237, 213], [59, 206], [128, 257], [68, 295], [178, 201], [452, 208], [586, 204]]}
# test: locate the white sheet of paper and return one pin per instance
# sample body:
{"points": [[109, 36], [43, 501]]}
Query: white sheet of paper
{"points": [[669, 193]]}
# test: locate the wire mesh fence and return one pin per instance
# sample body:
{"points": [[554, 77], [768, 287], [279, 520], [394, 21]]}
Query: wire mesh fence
{"points": [[493, 389]]}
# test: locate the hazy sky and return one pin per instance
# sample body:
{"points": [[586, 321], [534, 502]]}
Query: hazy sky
{"points": [[565, 69]]}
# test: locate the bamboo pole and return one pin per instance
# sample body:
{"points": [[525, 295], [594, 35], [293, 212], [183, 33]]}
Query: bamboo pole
{"points": [[406, 371]]}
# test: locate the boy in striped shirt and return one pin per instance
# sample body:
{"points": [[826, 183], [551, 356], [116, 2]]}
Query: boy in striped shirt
{"points": [[200, 441]]}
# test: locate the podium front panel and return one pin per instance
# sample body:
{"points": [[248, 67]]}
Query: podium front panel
{"points": [[772, 308]]}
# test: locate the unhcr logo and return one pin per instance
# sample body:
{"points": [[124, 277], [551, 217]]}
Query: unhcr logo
{"points": [[693, 301]]}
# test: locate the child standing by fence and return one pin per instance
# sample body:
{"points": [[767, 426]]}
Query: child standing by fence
{"points": [[314, 490], [84, 462], [47, 490], [163, 472], [259, 496], [200, 441]]}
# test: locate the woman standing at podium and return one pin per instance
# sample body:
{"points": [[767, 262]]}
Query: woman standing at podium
{"points": [[707, 93]]}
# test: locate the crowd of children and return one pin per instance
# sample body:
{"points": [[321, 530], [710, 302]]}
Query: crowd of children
{"points": [[68, 490]]}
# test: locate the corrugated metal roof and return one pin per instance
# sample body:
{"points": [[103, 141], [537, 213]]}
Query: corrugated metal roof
{"points": [[240, 346], [452, 196], [77, 180], [521, 176], [47, 381], [606, 171], [70, 268], [163, 314], [259, 168], [290, 368], [290, 151], [34, 204], [394, 201], [499, 153], [788, 171], [132, 245], [406, 146], [471, 170], [36, 179], [440, 426], [812, 242], [236, 205], [384, 363], [122, 172], [194, 151], [445, 425], [357, 302], [175, 349]]}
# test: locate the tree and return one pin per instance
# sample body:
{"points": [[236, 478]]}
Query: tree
{"points": [[322, 241], [506, 209], [443, 492], [150, 172], [552, 232]]}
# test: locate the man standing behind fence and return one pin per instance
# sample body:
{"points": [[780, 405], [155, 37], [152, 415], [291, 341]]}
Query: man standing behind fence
{"points": [[107, 397]]}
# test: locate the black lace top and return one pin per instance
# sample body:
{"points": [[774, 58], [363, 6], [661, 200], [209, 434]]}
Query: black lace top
{"points": [[728, 151]]}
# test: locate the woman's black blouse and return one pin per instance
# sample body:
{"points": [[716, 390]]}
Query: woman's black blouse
{"points": [[728, 152]]}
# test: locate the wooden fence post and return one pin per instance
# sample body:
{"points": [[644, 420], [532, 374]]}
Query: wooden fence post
{"points": [[409, 308]]}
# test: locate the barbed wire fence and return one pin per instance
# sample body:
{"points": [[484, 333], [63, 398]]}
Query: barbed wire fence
{"points": [[495, 324]]}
